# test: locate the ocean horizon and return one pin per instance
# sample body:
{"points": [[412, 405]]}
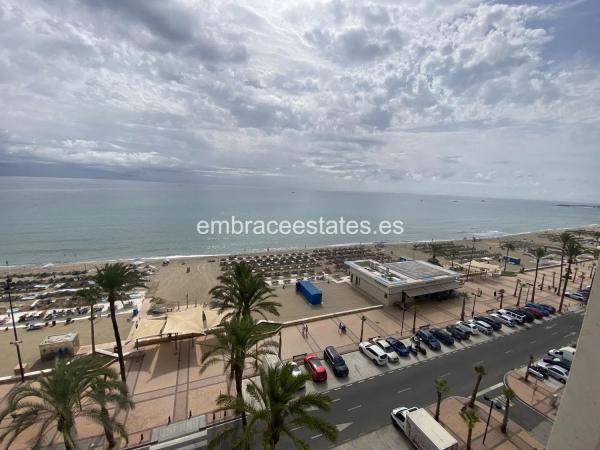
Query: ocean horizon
{"points": [[70, 220]]}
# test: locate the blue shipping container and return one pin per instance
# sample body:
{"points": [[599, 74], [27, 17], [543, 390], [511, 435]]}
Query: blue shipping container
{"points": [[311, 293]]}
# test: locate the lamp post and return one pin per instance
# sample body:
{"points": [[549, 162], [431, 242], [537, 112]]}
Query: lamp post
{"points": [[470, 260], [474, 301], [518, 283], [527, 294], [279, 352], [519, 297], [16, 342], [362, 326], [402, 326], [487, 424]]}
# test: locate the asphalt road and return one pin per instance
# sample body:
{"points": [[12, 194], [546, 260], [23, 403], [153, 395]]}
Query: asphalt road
{"points": [[366, 405]]}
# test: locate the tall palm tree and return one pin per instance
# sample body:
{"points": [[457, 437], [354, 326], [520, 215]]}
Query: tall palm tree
{"points": [[501, 293], [464, 296], [441, 387], [509, 394], [238, 339], [470, 419], [241, 293], [61, 395], [538, 253], [104, 393], [116, 279], [572, 250], [91, 295], [276, 409], [415, 308], [564, 238], [480, 371], [509, 247]]}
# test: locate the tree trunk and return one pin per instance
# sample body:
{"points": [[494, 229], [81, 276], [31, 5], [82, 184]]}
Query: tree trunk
{"points": [[506, 260], [505, 420], [564, 291], [537, 266], [562, 261], [415, 321], [469, 437], [113, 318], [474, 394], [108, 434], [92, 329], [437, 407], [239, 373]]}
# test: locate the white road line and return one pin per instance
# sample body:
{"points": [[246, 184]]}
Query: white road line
{"points": [[316, 436], [532, 342], [445, 375], [335, 400], [404, 390], [491, 388], [508, 351], [297, 428], [354, 407]]}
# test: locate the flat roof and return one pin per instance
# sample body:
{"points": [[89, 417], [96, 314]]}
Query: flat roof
{"points": [[402, 273], [58, 338]]}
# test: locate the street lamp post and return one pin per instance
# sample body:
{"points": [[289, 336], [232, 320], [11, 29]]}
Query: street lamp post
{"points": [[402, 326], [487, 424], [362, 327], [470, 260], [527, 294], [279, 345], [16, 341], [519, 297]]}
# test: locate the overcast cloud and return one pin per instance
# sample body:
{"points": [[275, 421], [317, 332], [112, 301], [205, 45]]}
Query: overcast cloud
{"points": [[436, 96]]}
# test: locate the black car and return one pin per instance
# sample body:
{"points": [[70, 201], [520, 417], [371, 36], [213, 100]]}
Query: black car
{"points": [[429, 339], [528, 316], [398, 346], [457, 333], [491, 321], [557, 362], [443, 336], [335, 360]]}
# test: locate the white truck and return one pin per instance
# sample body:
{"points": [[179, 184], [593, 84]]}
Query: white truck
{"points": [[422, 429]]}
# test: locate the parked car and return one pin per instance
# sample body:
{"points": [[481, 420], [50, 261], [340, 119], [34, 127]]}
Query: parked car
{"points": [[491, 321], [35, 326], [536, 312], [550, 308], [296, 371], [575, 296], [429, 339], [536, 372], [540, 369], [335, 361], [520, 318], [399, 347], [468, 327], [442, 335], [506, 320], [315, 369], [386, 347], [458, 332], [557, 362], [529, 316], [519, 315], [556, 372], [373, 352], [540, 308], [566, 353], [483, 327]]}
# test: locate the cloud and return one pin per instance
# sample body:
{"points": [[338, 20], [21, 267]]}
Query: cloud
{"points": [[414, 96]]}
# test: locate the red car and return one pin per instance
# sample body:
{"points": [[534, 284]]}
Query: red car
{"points": [[315, 369], [536, 312]]}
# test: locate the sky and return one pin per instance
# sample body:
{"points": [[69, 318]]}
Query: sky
{"points": [[498, 99]]}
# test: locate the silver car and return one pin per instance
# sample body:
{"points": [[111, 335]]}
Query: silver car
{"points": [[506, 320]]}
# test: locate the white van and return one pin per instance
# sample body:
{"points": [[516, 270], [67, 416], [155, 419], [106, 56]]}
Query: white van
{"points": [[565, 353]]}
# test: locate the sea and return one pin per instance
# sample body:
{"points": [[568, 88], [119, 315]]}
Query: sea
{"points": [[53, 220]]}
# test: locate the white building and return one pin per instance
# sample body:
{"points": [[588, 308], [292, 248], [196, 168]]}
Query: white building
{"points": [[59, 345], [402, 281]]}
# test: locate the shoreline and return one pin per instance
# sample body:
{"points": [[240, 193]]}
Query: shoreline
{"points": [[178, 257]]}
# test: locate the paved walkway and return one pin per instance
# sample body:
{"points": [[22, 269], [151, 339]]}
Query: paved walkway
{"points": [[542, 395]]}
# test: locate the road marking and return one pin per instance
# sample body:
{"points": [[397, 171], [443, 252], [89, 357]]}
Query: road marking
{"points": [[361, 381], [532, 342], [335, 400], [354, 407], [342, 426], [491, 388], [570, 334], [445, 375], [404, 390], [508, 351], [316, 436], [297, 428]]}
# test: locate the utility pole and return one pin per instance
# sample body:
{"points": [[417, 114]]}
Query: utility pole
{"points": [[470, 260], [16, 342], [362, 327], [488, 421], [474, 301]]}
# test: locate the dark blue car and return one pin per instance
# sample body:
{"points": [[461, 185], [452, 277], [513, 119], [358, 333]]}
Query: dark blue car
{"points": [[429, 339], [539, 307], [398, 346]]}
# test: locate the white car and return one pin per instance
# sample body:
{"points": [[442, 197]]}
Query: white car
{"points": [[391, 354], [506, 320], [519, 318], [35, 326], [373, 352], [469, 327], [482, 326]]}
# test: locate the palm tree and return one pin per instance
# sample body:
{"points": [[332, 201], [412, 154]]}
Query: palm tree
{"points": [[470, 419], [509, 247], [414, 307], [464, 297], [572, 250], [109, 392], [61, 395], [241, 293], [564, 238], [480, 371], [501, 294], [509, 394], [116, 279], [538, 253], [529, 363], [238, 339], [91, 295], [436, 250], [596, 235], [441, 387], [276, 409]]}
